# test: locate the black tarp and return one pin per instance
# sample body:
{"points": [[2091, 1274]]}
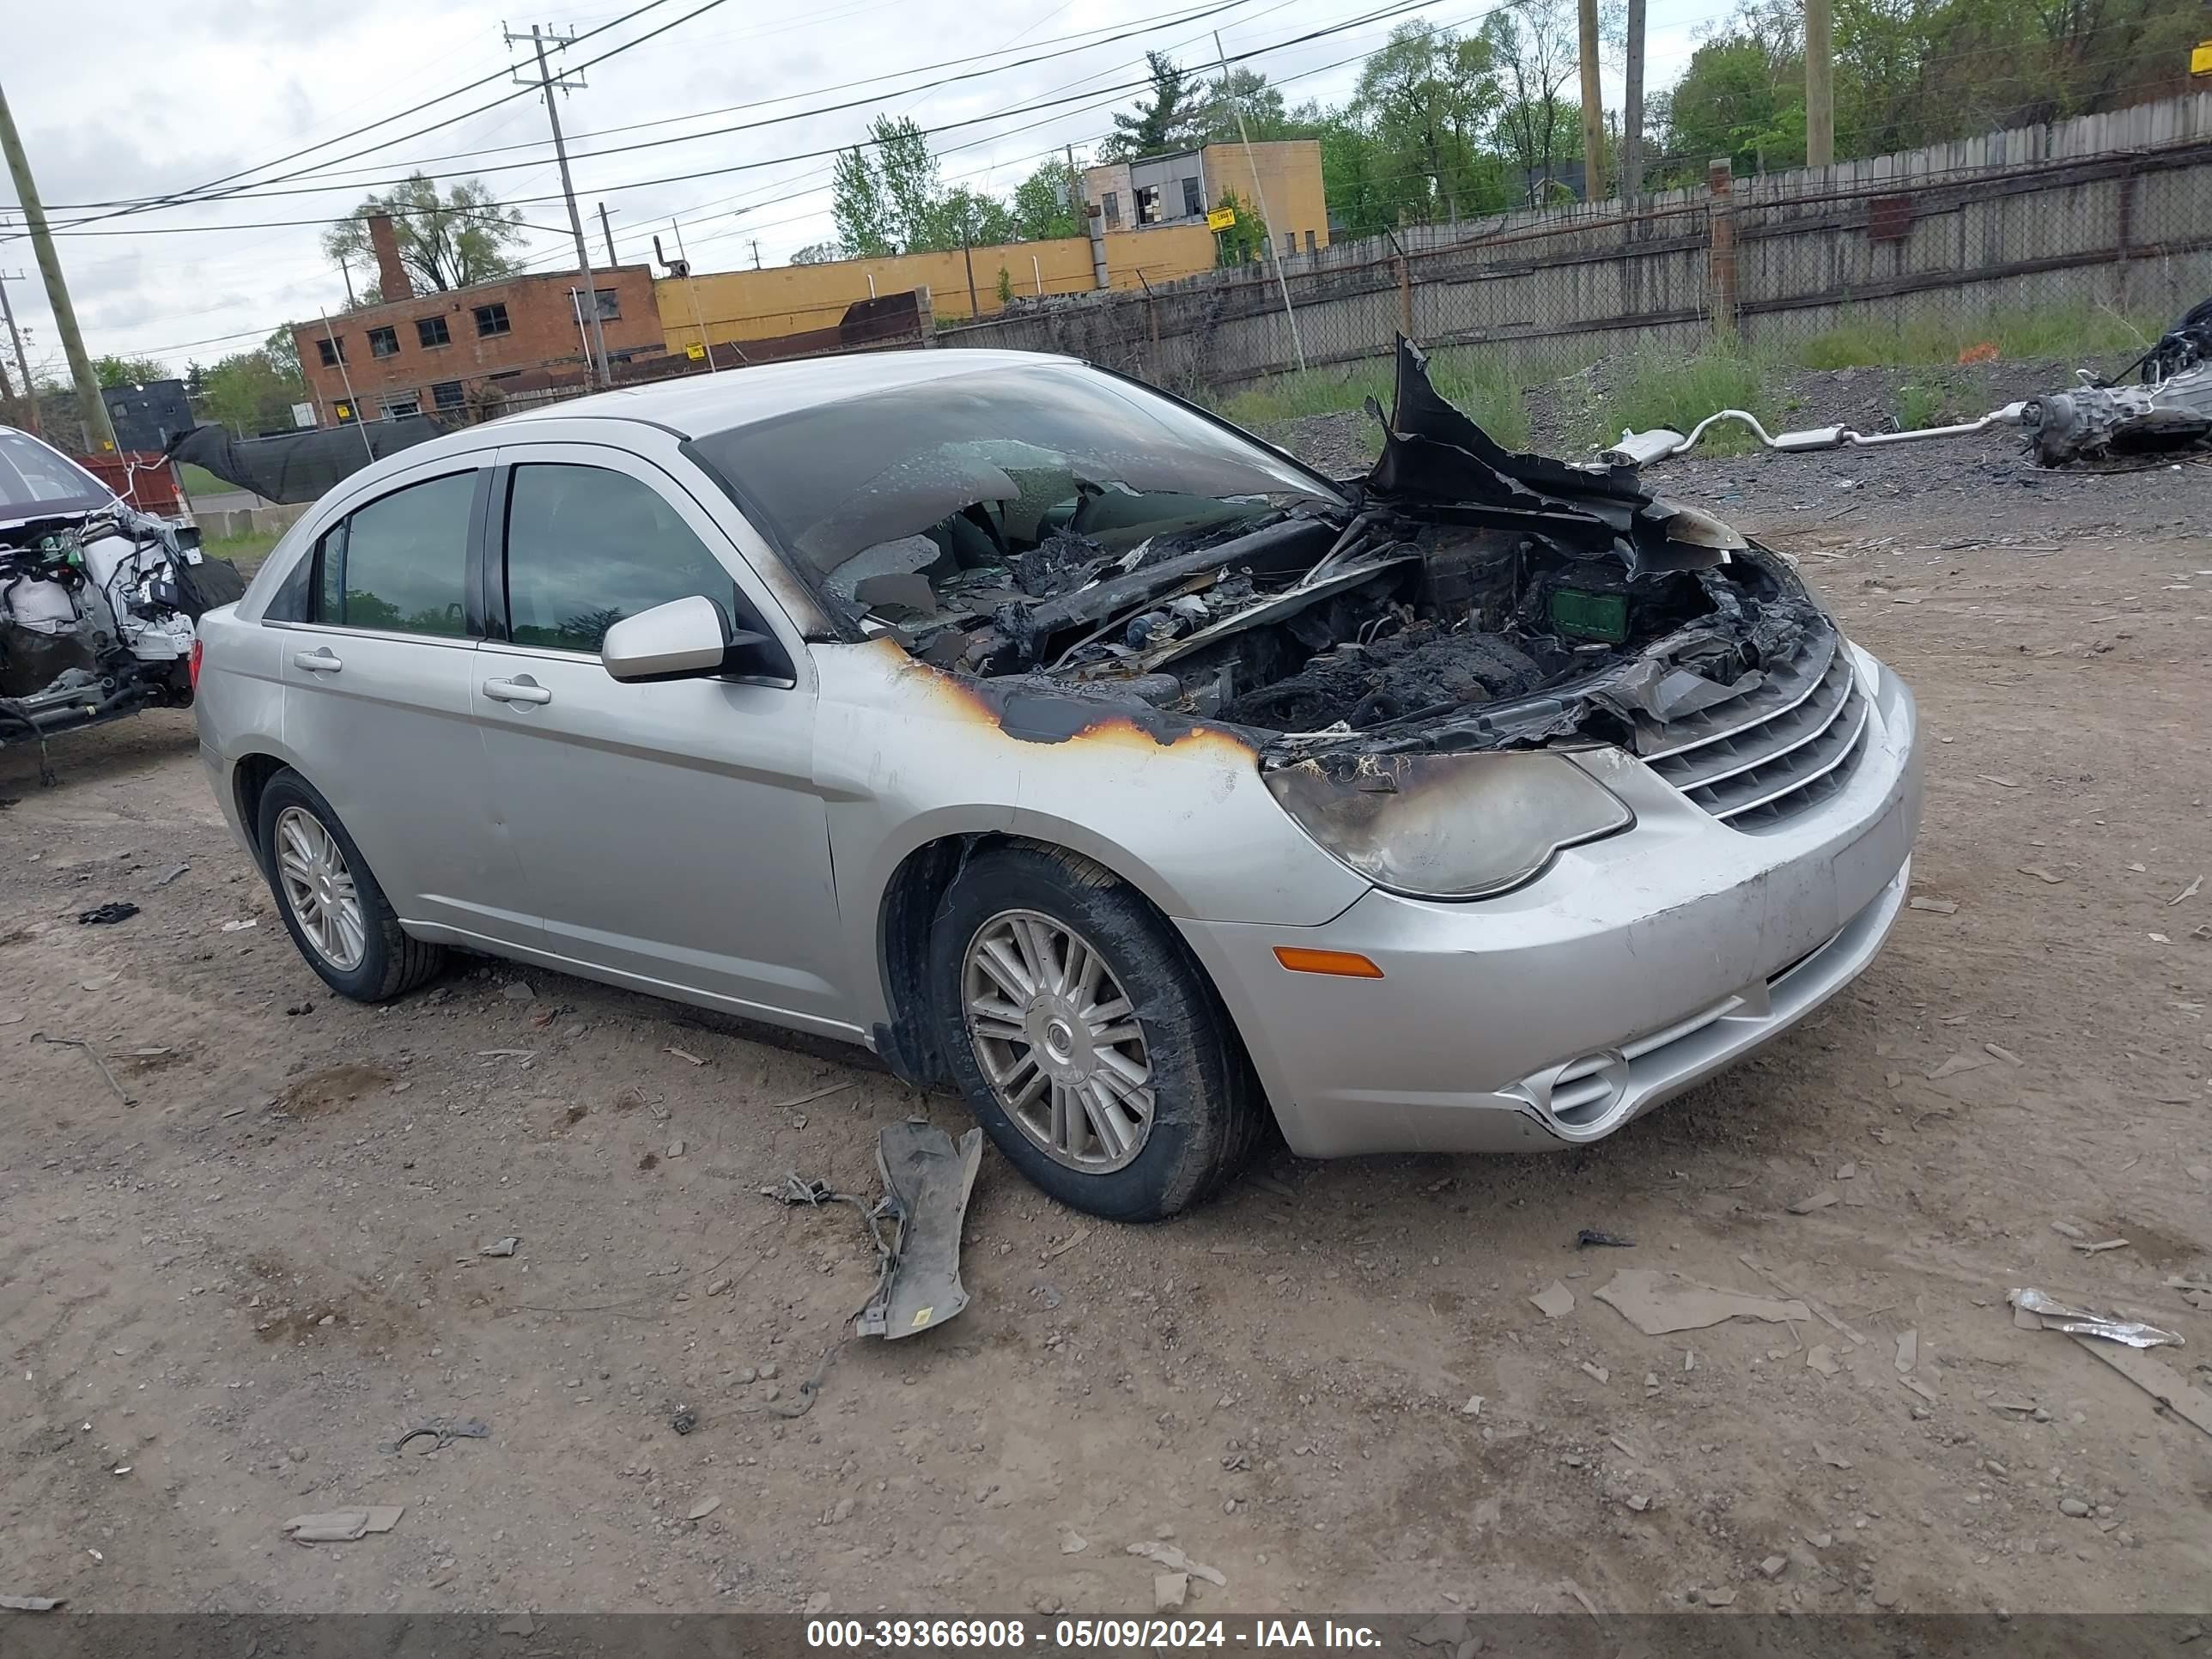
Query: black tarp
{"points": [[299, 466]]}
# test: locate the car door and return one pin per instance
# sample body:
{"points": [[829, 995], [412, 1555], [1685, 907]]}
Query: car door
{"points": [[376, 704], [672, 833]]}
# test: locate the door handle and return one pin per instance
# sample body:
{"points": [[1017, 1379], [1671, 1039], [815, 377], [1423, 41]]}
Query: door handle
{"points": [[321, 661], [516, 691]]}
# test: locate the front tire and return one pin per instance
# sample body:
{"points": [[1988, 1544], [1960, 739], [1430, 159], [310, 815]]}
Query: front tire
{"points": [[332, 907], [1085, 1037]]}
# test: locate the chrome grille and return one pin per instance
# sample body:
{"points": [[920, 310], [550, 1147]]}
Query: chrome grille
{"points": [[1756, 761]]}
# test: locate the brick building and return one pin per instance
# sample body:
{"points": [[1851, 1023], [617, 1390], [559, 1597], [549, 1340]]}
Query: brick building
{"points": [[426, 352]]}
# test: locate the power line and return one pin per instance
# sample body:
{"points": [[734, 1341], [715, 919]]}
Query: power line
{"points": [[195, 192], [121, 210]]}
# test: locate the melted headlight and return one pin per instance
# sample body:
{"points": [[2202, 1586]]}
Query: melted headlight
{"points": [[1448, 826]]}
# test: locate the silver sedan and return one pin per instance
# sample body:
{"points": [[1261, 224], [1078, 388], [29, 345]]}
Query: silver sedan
{"points": [[1059, 741]]}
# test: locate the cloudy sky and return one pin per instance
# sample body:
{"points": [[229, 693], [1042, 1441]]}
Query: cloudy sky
{"points": [[228, 87]]}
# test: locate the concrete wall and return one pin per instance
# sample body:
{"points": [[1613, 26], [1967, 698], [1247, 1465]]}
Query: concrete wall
{"points": [[2111, 211], [754, 304]]}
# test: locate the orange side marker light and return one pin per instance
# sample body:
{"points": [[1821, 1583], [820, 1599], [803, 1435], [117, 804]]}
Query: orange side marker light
{"points": [[1345, 965]]}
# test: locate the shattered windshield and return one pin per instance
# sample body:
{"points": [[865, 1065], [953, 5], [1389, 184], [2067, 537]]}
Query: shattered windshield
{"points": [[1031, 478]]}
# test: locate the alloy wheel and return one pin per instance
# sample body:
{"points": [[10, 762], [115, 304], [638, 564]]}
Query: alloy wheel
{"points": [[319, 889], [1057, 1040]]}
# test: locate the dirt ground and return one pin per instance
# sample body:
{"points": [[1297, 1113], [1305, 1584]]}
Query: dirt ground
{"points": [[218, 1306]]}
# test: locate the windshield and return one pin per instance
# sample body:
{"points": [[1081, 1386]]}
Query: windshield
{"points": [[1039, 476], [35, 480]]}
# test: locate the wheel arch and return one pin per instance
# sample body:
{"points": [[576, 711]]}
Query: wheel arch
{"points": [[907, 1040]]}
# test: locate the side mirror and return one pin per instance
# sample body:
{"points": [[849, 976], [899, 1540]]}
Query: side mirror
{"points": [[688, 639]]}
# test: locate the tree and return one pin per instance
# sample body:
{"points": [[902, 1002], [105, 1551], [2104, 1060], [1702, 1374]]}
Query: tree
{"points": [[1259, 99], [1169, 120], [254, 391], [448, 240], [1534, 47], [283, 351], [1005, 286], [1045, 204], [1427, 96], [888, 201], [128, 371], [819, 254], [1244, 242]]}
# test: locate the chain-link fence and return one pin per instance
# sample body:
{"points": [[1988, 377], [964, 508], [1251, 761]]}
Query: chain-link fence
{"points": [[2099, 228]]}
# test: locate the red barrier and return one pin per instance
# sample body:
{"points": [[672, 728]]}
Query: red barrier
{"points": [[145, 478]]}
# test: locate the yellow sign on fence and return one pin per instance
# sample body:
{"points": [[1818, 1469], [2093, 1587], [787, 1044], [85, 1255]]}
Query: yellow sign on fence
{"points": [[1221, 219], [694, 351], [2200, 60]]}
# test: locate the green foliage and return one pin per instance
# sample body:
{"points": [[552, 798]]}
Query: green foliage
{"points": [[251, 391], [1919, 407], [1426, 99], [448, 239], [128, 371], [1005, 286], [1173, 118], [1479, 380], [1915, 72], [2060, 331], [1679, 392], [246, 552], [1244, 242], [885, 198], [1533, 47], [1047, 204]]}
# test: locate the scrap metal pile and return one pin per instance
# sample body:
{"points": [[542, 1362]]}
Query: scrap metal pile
{"points": [[2168, 411]]}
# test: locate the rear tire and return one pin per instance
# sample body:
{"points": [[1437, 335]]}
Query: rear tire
{"points": [[338, 915], [1085, 1037]]}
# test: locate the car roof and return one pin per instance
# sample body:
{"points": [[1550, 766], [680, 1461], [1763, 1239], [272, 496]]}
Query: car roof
{"points": [[703, 403]]}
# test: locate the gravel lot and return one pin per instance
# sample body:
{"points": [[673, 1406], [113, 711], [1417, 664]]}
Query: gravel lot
{"points": [[220, 1304]]}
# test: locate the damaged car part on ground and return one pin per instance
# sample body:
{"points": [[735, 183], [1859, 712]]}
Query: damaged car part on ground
{"points": [[98, 600], [1060, 741], [2167, 412]]}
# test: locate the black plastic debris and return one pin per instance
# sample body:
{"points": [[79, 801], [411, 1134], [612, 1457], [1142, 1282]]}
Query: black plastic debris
{"points": [[1590, 1236], [101, 914], [684, 1420]]}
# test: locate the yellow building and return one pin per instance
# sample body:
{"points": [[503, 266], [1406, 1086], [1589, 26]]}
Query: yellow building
{"points": [[760, 305], [1165, 193]]}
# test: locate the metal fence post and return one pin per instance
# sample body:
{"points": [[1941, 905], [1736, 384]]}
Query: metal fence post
{"points": [[1720, 182]]}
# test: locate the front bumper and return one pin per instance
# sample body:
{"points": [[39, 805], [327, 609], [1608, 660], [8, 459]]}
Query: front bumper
{"points": [[1635, 968]]}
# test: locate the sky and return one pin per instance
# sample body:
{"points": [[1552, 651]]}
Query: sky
{"points": [[242, 83]]}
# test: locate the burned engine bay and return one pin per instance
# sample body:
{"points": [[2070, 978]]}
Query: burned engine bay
{"points": [[1459, 597]]}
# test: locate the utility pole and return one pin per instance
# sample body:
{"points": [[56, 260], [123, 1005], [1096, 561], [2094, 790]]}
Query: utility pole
{"points": [[548, 82], [608, 231], [1632, 135], [99, 431], [22, 363], [975, 312], [1593, 106], [346, 271], [1819, 83], [1260, 192]]}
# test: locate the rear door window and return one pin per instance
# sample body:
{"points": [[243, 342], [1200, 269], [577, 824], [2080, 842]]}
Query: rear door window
{"points": [[587, 546], [400, 564]]}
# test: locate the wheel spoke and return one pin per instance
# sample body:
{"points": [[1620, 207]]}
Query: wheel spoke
{"points": [[1105, 1013], [1024, 1095], [1105, 1121], [998, 958], [1001, 1022], [1129, 1074], [1036, 953], [1063, 1125]]}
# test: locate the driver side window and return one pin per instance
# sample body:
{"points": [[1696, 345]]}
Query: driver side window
{"points": [[586, 547]]}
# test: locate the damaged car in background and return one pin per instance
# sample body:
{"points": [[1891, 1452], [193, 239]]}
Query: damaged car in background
{"points": [[1062, 743], [97, 599]]}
